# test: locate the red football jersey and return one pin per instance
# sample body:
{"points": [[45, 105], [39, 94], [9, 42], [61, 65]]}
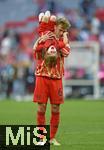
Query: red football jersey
{"points": [[56, 71]]}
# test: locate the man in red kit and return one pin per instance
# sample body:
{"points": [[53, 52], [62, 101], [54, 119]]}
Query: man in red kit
{"points": [[49, 72]]}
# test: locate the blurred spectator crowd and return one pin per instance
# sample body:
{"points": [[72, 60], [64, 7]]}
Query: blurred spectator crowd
{"points": [[17, 37]]}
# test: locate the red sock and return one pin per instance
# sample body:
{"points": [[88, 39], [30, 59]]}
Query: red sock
{"points": [[40, 118], [54, 122]]}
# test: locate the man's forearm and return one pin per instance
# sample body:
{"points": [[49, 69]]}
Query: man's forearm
{"points": [[36, 44]]}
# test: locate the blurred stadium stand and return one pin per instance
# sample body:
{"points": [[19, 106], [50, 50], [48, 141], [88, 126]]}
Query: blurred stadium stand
{"points": [[18, 31]]}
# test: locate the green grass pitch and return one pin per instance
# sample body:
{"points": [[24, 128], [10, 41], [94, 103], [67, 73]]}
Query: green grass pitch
{"points": [[81, 126]]}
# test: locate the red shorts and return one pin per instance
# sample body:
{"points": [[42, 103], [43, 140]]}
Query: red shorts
{"points": [[48, 88]]}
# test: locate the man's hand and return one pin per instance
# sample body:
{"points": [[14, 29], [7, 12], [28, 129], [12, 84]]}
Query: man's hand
{"points": [[43, 38], [47, 36], [65, 38]]}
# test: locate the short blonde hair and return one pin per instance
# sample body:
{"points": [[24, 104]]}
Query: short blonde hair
{"points": [[64, 22]]}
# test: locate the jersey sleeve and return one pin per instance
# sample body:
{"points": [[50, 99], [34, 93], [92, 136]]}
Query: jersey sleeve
{"points": [[39, 47], [37, 54], [64, 49]]}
